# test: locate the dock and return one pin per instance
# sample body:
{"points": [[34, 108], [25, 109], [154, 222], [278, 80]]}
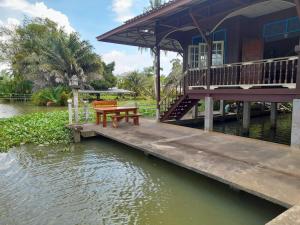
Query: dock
{"points": [[267, 170]]}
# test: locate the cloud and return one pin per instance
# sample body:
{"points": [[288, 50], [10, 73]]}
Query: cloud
{"points": [[136, 61], [122, 9], [38, 9]]}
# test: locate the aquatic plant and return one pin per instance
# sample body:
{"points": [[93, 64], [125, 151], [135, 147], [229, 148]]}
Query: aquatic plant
{"points": [[37, 128]]}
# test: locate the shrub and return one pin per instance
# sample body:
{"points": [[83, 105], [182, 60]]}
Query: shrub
{"points": [[57, 96]]}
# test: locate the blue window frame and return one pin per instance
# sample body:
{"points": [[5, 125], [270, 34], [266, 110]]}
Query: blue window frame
{"points": [[219, 35], [281, 28]]}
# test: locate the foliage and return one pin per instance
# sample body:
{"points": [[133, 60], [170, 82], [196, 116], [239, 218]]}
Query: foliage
{"points": [[108, 80], [175, 74], [38, 50], [37, 128], [57, 96], [142, 83], [10, 85]]}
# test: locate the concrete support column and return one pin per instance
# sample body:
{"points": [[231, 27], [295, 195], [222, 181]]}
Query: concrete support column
{"points": [[295, 136], [246, 116], [195, 111], [273, 115], [222, 108], [209, 114]]}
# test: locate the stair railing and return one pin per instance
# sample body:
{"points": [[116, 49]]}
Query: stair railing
{"points": [[176, 90]]}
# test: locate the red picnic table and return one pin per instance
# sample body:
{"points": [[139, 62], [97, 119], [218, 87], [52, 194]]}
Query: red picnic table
{"points": [[113, 110]]}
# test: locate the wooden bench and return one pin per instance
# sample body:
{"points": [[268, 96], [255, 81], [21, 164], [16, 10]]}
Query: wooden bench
{"points": [[105, 103], [117, 118]]}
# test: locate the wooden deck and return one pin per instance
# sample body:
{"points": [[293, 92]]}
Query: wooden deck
{"points": [[267, 170]]}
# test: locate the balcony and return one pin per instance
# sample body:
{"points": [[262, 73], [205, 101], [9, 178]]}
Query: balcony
{"points": [[267, 73]]}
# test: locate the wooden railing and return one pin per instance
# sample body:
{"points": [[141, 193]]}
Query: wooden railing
{"points": [[277, 71], [176, 90], [15, 96]]}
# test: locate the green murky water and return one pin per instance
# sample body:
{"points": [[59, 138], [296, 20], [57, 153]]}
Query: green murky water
{"points": [[102, 182], [18, 108], [260, 128]]}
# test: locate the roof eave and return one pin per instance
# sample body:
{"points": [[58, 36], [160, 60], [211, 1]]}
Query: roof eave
{"points": [[146, 18]]}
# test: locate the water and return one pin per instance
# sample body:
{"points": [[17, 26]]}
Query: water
{"points": [[260, 128], [18, 108], [102, 182]]}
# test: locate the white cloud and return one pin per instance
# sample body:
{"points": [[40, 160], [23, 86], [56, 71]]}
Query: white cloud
{"points": [[38, 9], [122, 9], [136, 61]]}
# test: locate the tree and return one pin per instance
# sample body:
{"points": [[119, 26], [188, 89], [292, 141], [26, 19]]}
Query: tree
{"points": [[133, 81], [38, 50], [108, 80], [175, 74]]}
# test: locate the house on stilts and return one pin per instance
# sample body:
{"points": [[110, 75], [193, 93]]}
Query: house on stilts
{"points": [[243, 50]]}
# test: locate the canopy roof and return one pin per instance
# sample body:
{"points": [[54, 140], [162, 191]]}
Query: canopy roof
{"points": [[167, 22]]}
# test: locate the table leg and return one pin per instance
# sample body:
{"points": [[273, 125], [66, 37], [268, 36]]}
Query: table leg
{"points": [[104, 119], [126, 117]]}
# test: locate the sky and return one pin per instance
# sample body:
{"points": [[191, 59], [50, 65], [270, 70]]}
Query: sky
{"points": [[89, 18]]}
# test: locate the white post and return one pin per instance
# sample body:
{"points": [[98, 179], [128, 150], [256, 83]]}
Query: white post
{"points": [[86, 110], [70, 111], [295, 136], [76, 109], [273, 115], [209, 114], [246, 116]]}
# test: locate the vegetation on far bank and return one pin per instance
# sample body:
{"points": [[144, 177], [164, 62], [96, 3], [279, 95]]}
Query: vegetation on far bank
{"points": [[37, 128]]}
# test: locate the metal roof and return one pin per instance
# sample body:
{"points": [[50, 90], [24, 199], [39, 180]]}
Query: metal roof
{"points": [[139, 31]]}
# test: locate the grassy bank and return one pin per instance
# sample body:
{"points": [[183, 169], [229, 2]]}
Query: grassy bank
{"points": [[37, 128]]}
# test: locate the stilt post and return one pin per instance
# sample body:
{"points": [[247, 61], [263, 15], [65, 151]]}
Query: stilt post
{"points": [[209, 114], [273, 115], [195, 111], [246, 117], [295, 135]]}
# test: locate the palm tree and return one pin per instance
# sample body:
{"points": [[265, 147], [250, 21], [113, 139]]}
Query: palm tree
{"points": [[66, 55]]}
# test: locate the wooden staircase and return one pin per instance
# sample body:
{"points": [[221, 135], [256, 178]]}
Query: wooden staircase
{"points": [[176, 103], [178, 108]]}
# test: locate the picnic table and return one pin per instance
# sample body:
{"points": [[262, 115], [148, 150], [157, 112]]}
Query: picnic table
{"points": [[117, 110]]}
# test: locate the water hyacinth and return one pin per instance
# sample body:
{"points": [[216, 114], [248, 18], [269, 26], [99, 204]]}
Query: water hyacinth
{"points": [[37, 128]]}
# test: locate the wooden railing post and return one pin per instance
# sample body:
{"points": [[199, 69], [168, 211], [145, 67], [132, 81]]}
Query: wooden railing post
{"points": [[209, 60]]}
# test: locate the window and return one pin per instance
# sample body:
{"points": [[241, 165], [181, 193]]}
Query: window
{"points": [[194, 56], [198, 55]]}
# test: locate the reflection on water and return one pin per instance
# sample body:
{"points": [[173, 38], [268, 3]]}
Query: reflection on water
{"points": [[18, 108], [101, 182], [260, 128]]}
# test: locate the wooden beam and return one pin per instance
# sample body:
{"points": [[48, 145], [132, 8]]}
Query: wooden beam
{"points": [[157, 71], [297, 2], [196, 23]]}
